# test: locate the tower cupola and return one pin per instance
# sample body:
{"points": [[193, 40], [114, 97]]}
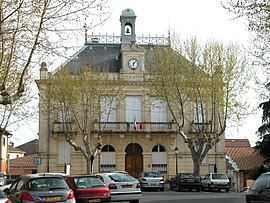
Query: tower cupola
{"points": [[127, 20]]}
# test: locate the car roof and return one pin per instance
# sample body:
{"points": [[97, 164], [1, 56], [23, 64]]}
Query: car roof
{"points": [[39, 175], [78, 175]]}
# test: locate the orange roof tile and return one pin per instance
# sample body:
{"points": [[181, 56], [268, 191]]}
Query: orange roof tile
{"points": [[26, 161], [237, 143], [246, 158]]}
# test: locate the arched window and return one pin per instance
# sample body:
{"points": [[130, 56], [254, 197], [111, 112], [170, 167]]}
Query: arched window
{"points": [[107, 159], [159, 159]]}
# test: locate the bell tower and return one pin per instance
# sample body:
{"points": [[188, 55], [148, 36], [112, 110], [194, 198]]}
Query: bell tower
{"points": [[127, 20]]}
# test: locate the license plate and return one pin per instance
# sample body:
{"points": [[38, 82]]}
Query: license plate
{"points": [[94, 200], [153, 184], [190, 181], [126, 186], [53, 198]]}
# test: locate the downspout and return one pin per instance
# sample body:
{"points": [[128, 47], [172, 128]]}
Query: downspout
{"points": [[49, 132]]}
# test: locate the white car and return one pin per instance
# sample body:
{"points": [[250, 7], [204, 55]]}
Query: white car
{"points": [[151, 180], [217, 181], [123, 187]]}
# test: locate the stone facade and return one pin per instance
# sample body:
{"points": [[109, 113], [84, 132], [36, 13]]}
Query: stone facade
{"points": [[150, 147]]}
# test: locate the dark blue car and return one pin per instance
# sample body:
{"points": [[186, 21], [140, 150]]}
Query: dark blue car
{"points": [[185, 181]]}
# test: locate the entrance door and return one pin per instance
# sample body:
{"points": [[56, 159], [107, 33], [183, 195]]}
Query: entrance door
{"points": [[134, 160]]}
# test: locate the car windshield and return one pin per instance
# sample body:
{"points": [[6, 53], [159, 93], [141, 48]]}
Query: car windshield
{"points": [[88, 182], [120, 177], [2, 195], [261, 183], [219, 176], [152, 174], [188, 175], [46, 183]]}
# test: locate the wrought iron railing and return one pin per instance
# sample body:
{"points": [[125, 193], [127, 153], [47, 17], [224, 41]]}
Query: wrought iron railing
{"points": [[112, 39], [120, 127]]}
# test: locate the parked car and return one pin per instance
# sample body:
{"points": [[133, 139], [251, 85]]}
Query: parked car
{"points": [[185, 181], [217, 181], [123, 187], [40, 188], [151, 180], [3, 179], [3, 198], [260, 190], [88, 188]]}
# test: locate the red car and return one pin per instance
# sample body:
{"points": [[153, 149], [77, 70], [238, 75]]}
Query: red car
{"points": [[88, 188]]}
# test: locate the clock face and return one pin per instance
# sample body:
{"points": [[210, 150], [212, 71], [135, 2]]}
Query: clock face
{"points": [[133, 63]]}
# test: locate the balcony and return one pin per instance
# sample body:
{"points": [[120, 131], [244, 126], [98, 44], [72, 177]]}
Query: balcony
{"points": [[122, 127], [196, 128]]}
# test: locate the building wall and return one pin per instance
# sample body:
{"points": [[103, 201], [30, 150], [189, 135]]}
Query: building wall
{"points": [[4, 153]]}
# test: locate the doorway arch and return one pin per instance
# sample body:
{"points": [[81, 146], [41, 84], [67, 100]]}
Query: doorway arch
{"points": [[134, 159]]}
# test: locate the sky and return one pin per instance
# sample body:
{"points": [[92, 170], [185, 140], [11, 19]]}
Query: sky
{"points": [[205, 19]]}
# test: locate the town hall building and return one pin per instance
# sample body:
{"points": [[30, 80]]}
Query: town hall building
{"points": [[140, 136]]}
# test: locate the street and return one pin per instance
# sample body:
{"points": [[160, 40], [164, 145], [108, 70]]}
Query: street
{"points": [[192, 197]]}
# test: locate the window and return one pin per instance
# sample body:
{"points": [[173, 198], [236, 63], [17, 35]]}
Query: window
{"points": [[108, 111], [199, 112], [159, 159], [63, 152], [64, 114], [107, 159], [133, 108], [158, 110]]}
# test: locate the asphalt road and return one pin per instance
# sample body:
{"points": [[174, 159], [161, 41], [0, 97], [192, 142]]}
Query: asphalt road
{"points": [[192, 197]]}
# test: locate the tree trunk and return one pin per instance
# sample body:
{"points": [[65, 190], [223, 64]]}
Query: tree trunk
{"points": [[89, 165], [196, 167]]}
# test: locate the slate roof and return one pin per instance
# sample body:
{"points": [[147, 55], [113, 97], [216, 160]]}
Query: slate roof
{"points": [[103, 55], [29, 147], [242, 154]]}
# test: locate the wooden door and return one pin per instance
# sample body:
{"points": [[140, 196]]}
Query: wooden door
{"points": [[134, 160]]}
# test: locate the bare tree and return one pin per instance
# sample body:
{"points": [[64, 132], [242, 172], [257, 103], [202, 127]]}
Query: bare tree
{"points": [[31, 31], [84, 102], [202, 86], [257, 15]]}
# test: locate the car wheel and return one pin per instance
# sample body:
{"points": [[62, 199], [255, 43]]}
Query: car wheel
{"points": [[198, 189], [162, 189], [209, 188], [228, 190]]}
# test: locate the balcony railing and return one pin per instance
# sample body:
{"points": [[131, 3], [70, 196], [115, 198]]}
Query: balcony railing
{"points": [[121, 127], [200, 127]]}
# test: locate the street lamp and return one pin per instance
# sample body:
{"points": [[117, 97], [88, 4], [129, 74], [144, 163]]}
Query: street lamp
{"points": [[176, 151]]}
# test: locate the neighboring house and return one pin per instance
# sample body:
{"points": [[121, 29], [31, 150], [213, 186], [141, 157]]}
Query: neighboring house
{"points": [[22, 165], [152, 145], [21, 159], [241, 159], [14, 152], [4, 135]]}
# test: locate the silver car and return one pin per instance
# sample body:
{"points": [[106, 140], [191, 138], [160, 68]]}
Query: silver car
{"points": [[123, 187], [260, 190], [3, 198], [3, 179], [151, 180], [39, 188]]}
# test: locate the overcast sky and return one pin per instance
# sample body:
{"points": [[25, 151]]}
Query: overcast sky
{"points": [[206, 19]]}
